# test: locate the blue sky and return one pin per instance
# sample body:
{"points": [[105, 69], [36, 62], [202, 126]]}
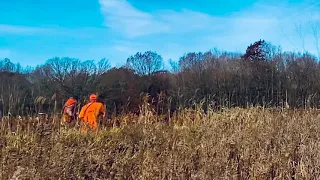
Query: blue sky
{"points": [[32, 31]]}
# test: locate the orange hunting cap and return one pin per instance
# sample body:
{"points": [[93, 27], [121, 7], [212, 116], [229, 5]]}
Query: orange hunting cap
{"points": [[93, 97], [70, 101]]}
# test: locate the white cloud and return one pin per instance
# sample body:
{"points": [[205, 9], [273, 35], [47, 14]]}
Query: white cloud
{"points": [[272, 22], [121, 16], [14, 29], [81, 32]]}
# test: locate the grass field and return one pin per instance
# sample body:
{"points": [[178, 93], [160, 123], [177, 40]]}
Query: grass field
{"points": [[253, 143]]}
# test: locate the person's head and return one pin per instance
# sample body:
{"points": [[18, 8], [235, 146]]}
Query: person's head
{"points": [[93, 97], [71, 101]]}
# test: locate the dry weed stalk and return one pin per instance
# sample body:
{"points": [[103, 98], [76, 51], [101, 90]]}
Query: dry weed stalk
{"points": [[235, 143]]}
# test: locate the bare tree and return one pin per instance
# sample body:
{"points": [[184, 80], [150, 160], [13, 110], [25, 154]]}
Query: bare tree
{"points": [[301, 35], [103, 65], [146, 63], [174, 66], [314, 27]]}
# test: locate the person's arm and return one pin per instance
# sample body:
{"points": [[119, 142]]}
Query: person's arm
{"points": [[81, 114]]}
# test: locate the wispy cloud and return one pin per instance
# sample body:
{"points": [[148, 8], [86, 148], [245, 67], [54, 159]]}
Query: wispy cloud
{"points": [[119, 14], [82, 32], [272, 22], [122, 17], [14, 29]]}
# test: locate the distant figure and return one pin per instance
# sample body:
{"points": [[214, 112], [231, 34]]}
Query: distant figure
{"points": [[69, 110], [90, 113]]}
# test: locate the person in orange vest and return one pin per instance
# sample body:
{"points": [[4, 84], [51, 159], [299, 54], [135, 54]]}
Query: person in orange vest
{"points": [[90, 113], [69, 110]]}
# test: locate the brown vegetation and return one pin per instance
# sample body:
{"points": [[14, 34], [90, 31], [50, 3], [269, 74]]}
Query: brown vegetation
{"points": [[189, 126], [252, 143]]}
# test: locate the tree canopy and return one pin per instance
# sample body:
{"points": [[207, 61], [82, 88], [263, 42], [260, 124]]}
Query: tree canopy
{"points": [[264, 75]]}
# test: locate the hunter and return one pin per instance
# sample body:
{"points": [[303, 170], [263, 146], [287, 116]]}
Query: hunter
{"points": [[90, 113], [69, 110]]}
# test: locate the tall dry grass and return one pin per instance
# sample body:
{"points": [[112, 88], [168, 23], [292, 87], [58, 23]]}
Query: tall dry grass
{"points": [[253, 143]]}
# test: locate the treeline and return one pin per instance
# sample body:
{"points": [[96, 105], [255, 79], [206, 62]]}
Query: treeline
{"points": [[264, 75]]}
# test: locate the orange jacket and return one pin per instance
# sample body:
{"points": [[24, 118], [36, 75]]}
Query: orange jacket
{"points": [[90, 112]]}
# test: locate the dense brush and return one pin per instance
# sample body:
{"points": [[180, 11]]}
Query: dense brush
{"points": [[252, 143]]}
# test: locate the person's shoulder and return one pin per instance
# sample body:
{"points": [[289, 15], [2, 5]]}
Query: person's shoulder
{"points": [[99, 103]]}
